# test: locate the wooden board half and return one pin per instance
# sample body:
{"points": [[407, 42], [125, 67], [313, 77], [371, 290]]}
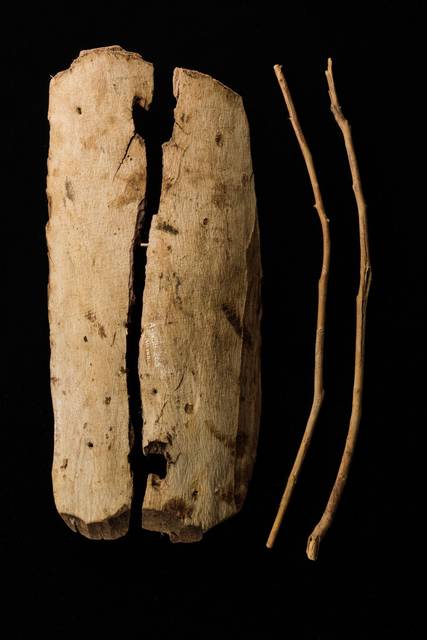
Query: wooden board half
{"points": [[96, 185], [200, 345]]}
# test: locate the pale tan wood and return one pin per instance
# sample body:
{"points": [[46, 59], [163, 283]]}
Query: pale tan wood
{"points": [[200, 346], [96, 183]]}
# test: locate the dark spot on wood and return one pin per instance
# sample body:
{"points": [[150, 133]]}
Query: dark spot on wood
{"points": [[85, 425], [178, 298], [90, 445], [179, 508], [195, 494], [247, 338], [69, 191], [154, 391], [205, 221], [109, 447], [169, 248], [64, 464], [107, 400], [123, 370], [155, 481], [232, 318], [227, 495], [54, 380], [91, 316], [219, 198], [168, 228], [79, 111], [85, 338], [188, 408], [110, 429], [101, 331], [226, 440], [218, 139], [241, 444]]}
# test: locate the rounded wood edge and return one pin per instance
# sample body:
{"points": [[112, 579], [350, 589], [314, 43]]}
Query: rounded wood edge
{"points": [[109, 529]]}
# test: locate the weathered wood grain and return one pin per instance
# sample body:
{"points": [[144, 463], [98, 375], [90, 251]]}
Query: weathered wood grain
{"points": [[200, 346], [96, 183]]}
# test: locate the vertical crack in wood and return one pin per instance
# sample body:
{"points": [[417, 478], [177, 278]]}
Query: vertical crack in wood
{"points": [[154, 127]]}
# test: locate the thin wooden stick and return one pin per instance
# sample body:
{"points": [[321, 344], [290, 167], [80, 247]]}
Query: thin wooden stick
{"points": [[321, 312], [361, 301]]}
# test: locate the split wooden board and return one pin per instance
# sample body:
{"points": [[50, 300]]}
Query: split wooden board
{"points": [[200, 343]]}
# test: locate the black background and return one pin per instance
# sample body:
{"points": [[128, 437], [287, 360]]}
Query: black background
{"points": [[143, 586]]}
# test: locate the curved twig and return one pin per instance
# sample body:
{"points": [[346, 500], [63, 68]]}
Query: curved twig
{"points": [[325, 522], [321, 311]]}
